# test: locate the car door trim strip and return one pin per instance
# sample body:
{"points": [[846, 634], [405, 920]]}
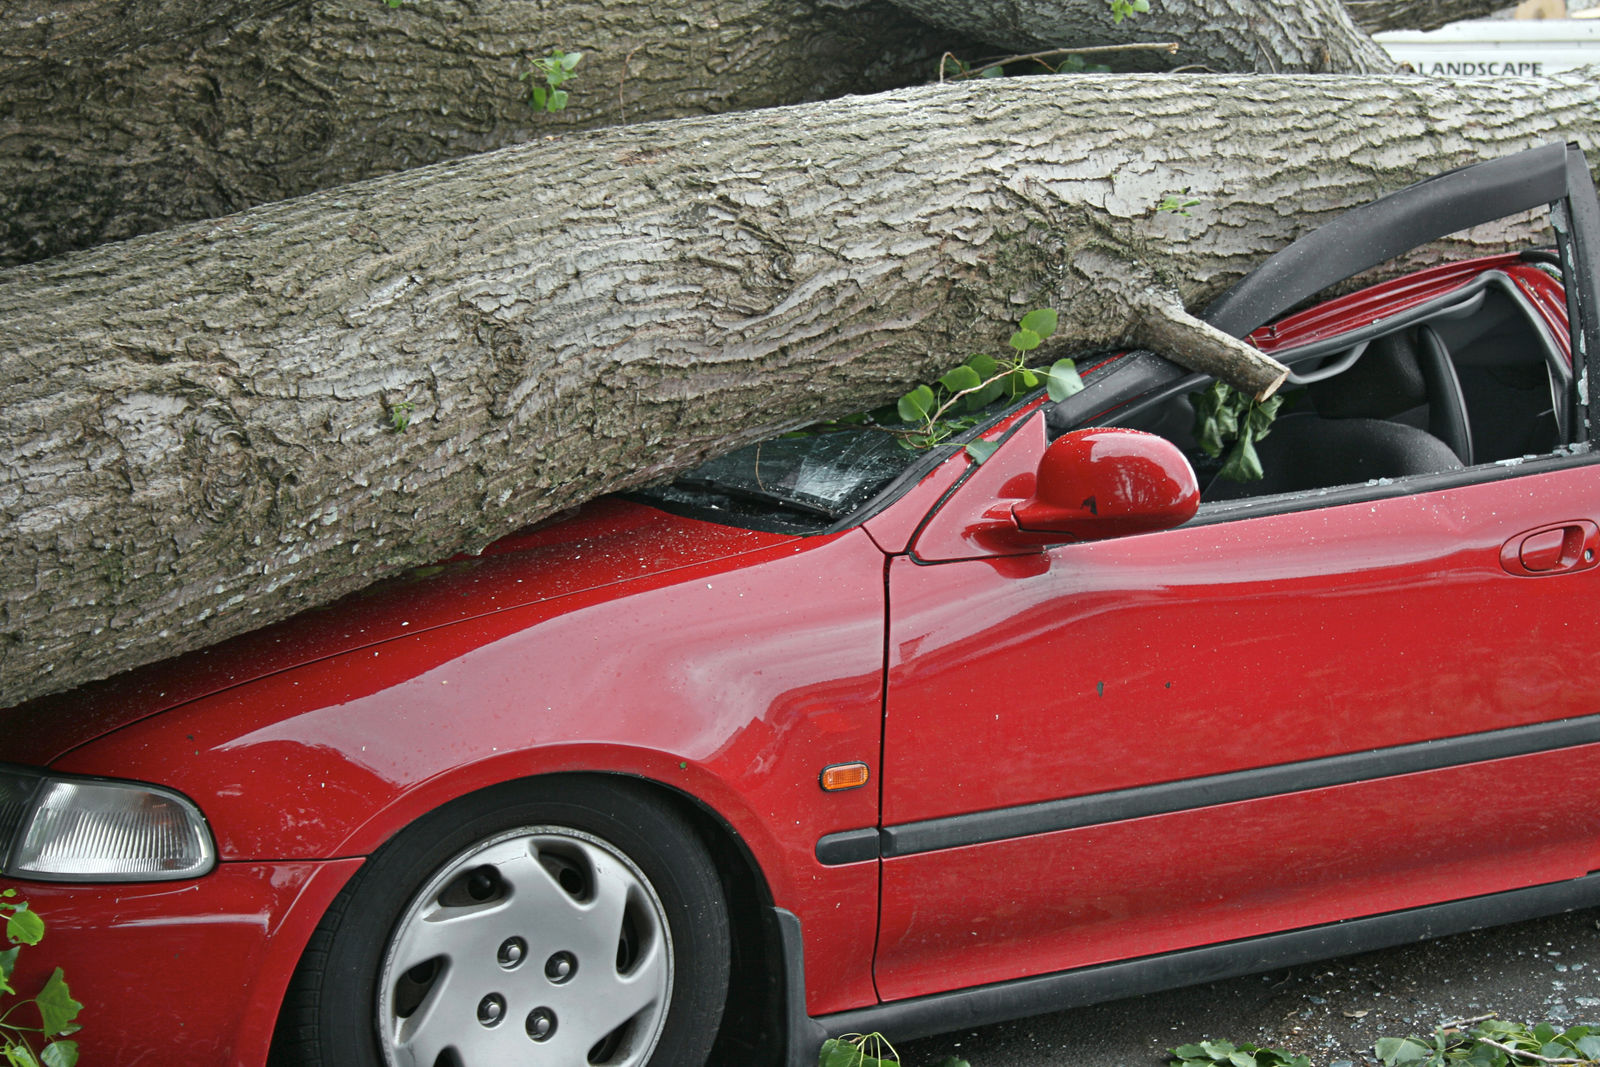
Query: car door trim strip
{"points": [[1070, 813], [981, 1005]]}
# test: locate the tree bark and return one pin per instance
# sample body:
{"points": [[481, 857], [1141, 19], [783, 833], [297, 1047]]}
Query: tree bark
{"points": [[1375, 16], [197, 423], [1221, 35], [37, 35], [310, 95]]}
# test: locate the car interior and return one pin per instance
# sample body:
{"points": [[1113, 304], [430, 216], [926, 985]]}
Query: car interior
{"points": [[1470, 378]]}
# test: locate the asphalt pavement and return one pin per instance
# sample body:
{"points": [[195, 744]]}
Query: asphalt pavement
{"points": [[1548, 969]]}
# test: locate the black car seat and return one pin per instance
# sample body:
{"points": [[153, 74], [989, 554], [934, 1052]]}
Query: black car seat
{"points": [[1367, 423]]}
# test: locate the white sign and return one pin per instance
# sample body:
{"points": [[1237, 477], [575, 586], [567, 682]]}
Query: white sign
{"points": [[1497, 48]]}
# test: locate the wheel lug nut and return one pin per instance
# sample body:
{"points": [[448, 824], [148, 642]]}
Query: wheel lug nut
{"points": [[512, 952], [491, 1009], [561, 967], [541, 1024]]}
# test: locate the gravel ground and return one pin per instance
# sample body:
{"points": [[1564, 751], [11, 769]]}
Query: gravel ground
{"points": [[1548, 969]]}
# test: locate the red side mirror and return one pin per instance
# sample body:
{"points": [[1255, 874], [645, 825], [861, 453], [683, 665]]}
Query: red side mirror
{"points": [[1099, 483]]}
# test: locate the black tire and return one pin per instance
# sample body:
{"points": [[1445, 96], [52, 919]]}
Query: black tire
{"points": [[537, 916]]}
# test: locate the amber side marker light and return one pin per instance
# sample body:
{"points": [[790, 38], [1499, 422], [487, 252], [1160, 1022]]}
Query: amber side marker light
{"points": [[837, 777]]}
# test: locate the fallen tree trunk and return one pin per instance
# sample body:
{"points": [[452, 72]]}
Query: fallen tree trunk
{"points": [[198, 424], [1378, 15], [1222, 35], [304, 96]]}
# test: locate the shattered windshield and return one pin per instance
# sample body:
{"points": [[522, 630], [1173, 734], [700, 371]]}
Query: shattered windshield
{"points": [[805, 481]]}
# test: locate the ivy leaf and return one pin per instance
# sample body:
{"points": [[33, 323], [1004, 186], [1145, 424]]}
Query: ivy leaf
{"points": [[1589, 1047], [1041, 321], [982, 450], [61, 1054], [24, 926], [558, 99], [570, 60], [1062, 379], [963, 377], [539, 97], [916, 405], [19, 1055], [1025, 340]]}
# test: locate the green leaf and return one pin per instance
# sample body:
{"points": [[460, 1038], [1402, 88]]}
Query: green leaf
{"points": [[61, 1054], [8, 963], [993, 72], [1041, 321], [1394, 1051], [1242, 464], [1218, 1050], [1544, 1033], [20, 1056], [916, 405], [539, 97], [55, 1004], [954, 1061], [570, 60], [558, 99], [986, 366], [836, 1053], [1025, 340], [24, 926], [1242, 1058], [1188, 1052], [963, 377], [981, 450], [1258, 419], [1589, 1047], [1062, 379]]}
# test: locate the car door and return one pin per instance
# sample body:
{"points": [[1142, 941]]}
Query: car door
{"points": [[1120, 748], [1291, 711]]}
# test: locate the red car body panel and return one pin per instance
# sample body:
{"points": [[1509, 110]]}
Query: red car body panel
{"points": [[210, 958], [1165, 657]]}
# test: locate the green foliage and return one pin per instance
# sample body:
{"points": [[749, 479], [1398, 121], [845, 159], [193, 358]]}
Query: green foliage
{"points": [[1223, 416], [1178, 203], [400, 415], [1492, 1043], [940, 411], [1121, 9], [57, 1010], [553, 70], [1207, 1053], [857, 1050]]}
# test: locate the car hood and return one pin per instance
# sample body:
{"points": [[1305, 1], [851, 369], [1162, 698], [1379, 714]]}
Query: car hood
{"points": [[608, 542]]}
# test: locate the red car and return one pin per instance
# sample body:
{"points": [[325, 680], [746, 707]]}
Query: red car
{"points": [[832, 736]]}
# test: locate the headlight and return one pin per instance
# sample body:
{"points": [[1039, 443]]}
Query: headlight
{"points": [[63, 829]]}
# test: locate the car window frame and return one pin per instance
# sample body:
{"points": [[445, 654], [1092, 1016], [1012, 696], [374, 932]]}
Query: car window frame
{"points": [[1554, 175]]}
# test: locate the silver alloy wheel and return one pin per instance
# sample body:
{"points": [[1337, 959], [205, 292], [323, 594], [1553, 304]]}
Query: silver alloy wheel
{"points": [[540, 940]]}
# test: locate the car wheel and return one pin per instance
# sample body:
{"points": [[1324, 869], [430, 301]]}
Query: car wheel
{"points": [[560, 921]]}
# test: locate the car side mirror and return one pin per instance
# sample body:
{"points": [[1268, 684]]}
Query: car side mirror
{"points": [[1099, 483]]}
